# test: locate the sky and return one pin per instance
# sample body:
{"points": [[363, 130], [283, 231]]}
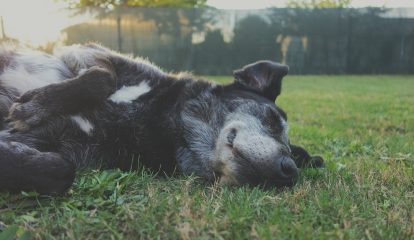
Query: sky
{"points": [[34, 21], [37, 22]]}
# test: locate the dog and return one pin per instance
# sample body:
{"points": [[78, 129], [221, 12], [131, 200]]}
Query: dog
{"points": [[88, 106]]}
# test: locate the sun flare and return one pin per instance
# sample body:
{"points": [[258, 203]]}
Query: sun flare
{"points": [[34, 22]]}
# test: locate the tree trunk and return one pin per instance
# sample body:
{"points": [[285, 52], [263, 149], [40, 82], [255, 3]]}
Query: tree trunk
{"points": [[119, 30]]}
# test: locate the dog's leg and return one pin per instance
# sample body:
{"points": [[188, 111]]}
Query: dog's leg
{"points": [[23, 168], [68, 97], [303, 159]]}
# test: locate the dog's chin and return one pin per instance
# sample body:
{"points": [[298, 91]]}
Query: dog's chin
{"points": [[225, 174], [228, 180]]}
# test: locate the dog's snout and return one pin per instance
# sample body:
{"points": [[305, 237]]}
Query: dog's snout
{"points": [[288, 167]]}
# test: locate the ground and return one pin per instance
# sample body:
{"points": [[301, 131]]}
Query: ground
{"points": [[363, 127]]}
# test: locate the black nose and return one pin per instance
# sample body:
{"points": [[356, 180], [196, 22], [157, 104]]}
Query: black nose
{"points": [[282, 174], [288, 167]]}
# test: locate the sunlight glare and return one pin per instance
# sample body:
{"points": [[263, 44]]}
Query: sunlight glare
{"points": [[34, 22]]}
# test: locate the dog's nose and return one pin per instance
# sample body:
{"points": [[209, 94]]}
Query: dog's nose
{"points": [[288, 167], [282, 173]]}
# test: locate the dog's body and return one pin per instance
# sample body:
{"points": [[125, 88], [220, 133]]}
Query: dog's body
{"points": [[89, 106]]}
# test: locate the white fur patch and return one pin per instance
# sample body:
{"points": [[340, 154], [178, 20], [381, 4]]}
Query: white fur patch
{"points": [[78, 57], [30, 70], [127, 94], [285, 126], [83, 124]]}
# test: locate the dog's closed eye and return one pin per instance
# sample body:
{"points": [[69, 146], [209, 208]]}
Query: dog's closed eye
{"points": [[231, 136]]}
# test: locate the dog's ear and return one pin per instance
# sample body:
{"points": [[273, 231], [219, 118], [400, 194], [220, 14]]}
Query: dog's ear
{"points": [[264, 77]]}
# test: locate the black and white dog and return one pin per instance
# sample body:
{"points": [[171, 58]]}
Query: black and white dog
{"points": [[89, 106]]}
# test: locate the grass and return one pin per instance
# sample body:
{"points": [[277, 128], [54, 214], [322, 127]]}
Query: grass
{"points": [[362, 125]]}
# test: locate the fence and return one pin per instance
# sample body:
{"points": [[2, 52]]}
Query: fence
{"points": [[311, 41]]}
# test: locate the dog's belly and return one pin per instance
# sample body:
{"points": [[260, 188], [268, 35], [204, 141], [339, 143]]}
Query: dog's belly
{"points": [[26, 70], [30, 70]]}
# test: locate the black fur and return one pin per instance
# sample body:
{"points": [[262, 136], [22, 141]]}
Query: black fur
{"points": [[176, 126]]}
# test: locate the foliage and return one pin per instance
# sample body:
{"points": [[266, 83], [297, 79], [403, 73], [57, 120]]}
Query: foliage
{"points": [[361, 125], [110, 4], [318, 3]]}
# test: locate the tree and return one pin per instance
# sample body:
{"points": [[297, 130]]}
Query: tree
{"points": [[111, 4], [116, 5], [318, 3]]}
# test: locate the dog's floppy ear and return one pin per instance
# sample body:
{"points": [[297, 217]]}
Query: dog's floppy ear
{"points": [[265, 77]]}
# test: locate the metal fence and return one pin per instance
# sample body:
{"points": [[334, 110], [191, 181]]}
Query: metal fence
{"points": [[311, 41]]}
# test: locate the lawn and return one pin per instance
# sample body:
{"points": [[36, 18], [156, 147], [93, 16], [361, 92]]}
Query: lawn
{"points": [[362, 125]]}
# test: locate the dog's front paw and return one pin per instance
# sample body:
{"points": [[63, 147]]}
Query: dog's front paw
{"points": [[30, 110], [316, 162]]}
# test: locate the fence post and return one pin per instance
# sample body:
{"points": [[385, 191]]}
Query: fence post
{"points": [[349, 43], [119, 29], [3, 32]]}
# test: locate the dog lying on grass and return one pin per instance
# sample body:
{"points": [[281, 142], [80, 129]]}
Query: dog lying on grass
{"points": [[87, 106]]}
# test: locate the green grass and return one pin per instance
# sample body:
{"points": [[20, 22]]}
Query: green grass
{"points": [[362, 125]]}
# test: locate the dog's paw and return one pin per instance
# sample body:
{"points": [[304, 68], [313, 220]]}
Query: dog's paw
{"points": [[316, 162], [28, 111]]}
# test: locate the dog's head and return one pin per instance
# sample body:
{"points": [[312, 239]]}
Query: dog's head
{"points": [[246, 131], [252, 146]]}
